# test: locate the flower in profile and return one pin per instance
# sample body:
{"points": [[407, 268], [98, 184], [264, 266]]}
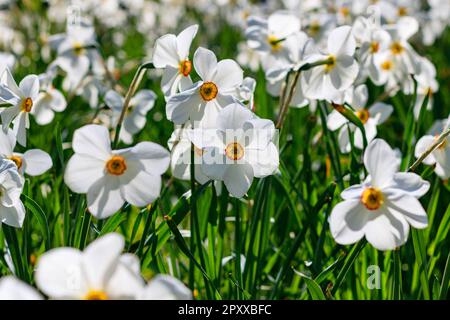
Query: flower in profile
{"points": [[22, 99], [111, 177], [12, 211], [440, 157], [341, 70], [172, 53], [33, 162], [164, 287], [203, 100], [384, 206], [12, 288], [240, 149], [49, 101], [100, 272], [370, 117], [136, 115]]}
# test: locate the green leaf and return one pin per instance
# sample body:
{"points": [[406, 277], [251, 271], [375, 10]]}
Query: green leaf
{"points": [[39, 214], [314, 289]]}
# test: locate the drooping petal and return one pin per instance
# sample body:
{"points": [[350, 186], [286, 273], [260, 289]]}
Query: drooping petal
{"points": [[142, 189], [181, 106], [238, 178], [104, 197], [411, 209], [13, 216]]}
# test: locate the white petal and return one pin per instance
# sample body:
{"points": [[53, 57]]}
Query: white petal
{"points": [[36, 162], [101, 258], [229, 76], [335, 120], [238, 178], [181, 106], [92, 140], [30, 86], [184, 40], [264, 162], [341, 41], [422, 145], [205, 63], [82, 172], [381, 163], [380, 112], [152, 156], [386, 230], [59, 274], [12, 288], [104, 197], [352, 193], [142, 189], [7, 143], [347, 221], [411, 209], [410, 183], [13, 216], [164, 287], [165, 52]]}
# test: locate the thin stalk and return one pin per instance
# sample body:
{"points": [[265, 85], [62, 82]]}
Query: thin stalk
{"points": [[435, 145]]}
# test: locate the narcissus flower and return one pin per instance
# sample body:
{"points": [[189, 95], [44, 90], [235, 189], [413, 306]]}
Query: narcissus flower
{"points": [[136, 116], [441, 155], [240, 149], [12, 211], [100, 272], [33, 162], [339, 73], [203, 100], [172, 53], [22, 98], [370, 117], [384, 206], [111, 177], [12, 288]]}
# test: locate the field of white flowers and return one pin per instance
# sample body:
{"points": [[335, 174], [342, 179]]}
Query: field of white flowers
{"points": [[294, 149]]}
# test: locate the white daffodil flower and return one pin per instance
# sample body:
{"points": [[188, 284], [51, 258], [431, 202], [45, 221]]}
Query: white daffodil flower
{"points": [[100, 272], [268, 36], [203, 100], [22, 98], [33, 162], [401, 51], [12, 211], [384, 206], [164, 287], [426, 85], [180, 148], [49, 101], [299, 47], [136, 117], [371, 117], [172, 53], [111, 177], [12, 288], [441, 155], [240, 149], [76, 52], [373, 40], [246, 91], [324, 82]]}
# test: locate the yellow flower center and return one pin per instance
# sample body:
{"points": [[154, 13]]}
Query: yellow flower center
{"points": [[345, 11], [116, 165], [78, 48], [274, 42], [397, 48], [17, 160], [374, 47], [96, 295], [387, 65], [185, 67], [314, 28], [363, 115], [234, 151], [331, 64], [402, 11], [27, 105], [208, 91], [372, 198]]}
